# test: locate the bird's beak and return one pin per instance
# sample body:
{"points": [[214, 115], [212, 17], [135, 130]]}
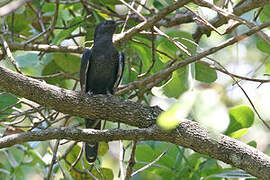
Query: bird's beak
{"points": [[119, 22]]}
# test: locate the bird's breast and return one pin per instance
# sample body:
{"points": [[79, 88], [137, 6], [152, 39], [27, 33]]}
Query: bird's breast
{"points": [[102, 74]]}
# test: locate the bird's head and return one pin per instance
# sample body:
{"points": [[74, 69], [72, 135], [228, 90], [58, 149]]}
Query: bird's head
{"points": [[106, 27]]}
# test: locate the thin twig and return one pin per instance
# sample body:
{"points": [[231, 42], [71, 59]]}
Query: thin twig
{"points": [[168, 70], [176, 43], [55, 17], [127, 17], [13, 34], [50, 28], [134, 10], [77, 160], [55, 149], [203, 20], [249, 100], [131, 161], [229, 15], [83, 166], [153, 162], [38, 15], [121, 160], [234, 75], [153, 55], [9, 54], [99, 172]]}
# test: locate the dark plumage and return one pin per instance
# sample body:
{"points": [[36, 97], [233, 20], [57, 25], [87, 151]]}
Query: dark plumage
{"points": [[101, 70]]}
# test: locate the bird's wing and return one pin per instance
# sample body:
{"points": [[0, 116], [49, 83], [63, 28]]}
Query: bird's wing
{"points": [[85, 66], [120, 70]]}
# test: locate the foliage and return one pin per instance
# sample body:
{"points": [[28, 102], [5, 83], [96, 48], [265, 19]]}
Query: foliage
{"points": [[197, 90]]}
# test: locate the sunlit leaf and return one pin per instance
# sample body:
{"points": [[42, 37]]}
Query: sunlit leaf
{"points": [[204, 73], [265, 14], [103, 148], [240, 117], [176, 86], [263, 46], [177, 113], [239, 133]]}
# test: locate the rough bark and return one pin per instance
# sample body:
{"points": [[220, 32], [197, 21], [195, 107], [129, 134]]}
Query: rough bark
{"points": [[189, 134]]}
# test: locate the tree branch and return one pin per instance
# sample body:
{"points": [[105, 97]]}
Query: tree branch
{"points": [[76, 103], [219, 20], [189, 134], [9, 8]]}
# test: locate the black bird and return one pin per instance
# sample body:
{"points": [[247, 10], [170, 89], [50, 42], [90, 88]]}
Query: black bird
{"points": [[101, 71]]}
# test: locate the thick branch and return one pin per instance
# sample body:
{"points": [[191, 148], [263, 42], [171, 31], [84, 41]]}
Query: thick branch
{"points": [[189, 134], [9, 8], [75, 103]]}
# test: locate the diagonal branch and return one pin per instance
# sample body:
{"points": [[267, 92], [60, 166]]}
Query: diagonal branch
{"points": [[239, 9], [151, 21], [189, 134], [9, 8]]}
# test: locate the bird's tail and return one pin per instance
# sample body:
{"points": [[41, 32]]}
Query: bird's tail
{"points": [[91, 148]]}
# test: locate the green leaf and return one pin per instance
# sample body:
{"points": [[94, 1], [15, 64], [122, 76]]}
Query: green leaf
{"points": [[239, 133], [106, 172], [263, 46], [103, 148], [171, 118], [145, 55], [15, 156], [204, 73], [30, 64], [157, 4], [176, 86], [71, 157], [52, 68], [145, 154], [22, 24], [209, 167], [253, 144], [240, 117], [169, 158], [182, 37], [7, 100], [234, 174], [36, 158], [106, 2], [19, 173], [265, 14], [74, 23], [67, 62]]}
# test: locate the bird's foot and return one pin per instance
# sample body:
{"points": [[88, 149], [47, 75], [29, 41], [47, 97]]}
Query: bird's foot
{"points": [[109, 93], [90, 93]]}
